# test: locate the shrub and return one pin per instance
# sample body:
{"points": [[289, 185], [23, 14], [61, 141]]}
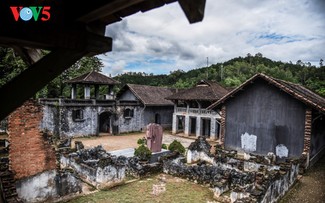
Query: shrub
{"points": [[164, 146], [143, 153], [176, 146], [142, 141]]}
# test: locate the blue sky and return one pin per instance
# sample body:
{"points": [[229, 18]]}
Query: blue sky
{"points": [[162, 40]]}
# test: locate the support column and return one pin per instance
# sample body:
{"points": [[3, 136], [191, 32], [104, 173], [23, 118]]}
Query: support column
{"points": [[307, 137], [187, 125], [87, 92], [198, 126], [175, 124], [74, 91], [213, 129]]}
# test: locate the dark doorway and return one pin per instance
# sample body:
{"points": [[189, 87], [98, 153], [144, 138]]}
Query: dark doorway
{"points": [[105, 122], [206, 123], [193, 125], [157, 118]]}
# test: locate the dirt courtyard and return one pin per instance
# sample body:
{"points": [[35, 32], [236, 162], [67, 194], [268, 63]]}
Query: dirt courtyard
{"points": [[116, 142]]}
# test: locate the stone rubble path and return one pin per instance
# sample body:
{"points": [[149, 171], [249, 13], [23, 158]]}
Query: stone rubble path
{"points": [[310, 188]]}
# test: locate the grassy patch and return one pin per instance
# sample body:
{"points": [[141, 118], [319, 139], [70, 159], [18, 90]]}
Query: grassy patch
{"points": [[177, 190]]}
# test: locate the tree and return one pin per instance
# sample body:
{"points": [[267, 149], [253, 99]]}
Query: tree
{"points": [[10, 65], [321, 62]]}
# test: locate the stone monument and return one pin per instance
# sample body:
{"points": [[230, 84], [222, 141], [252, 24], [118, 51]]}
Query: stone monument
{"points": [[154, 137]]}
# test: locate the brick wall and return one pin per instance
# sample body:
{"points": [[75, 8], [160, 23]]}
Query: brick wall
{"points": [[29, 152], [223, 125], [307, 137]]}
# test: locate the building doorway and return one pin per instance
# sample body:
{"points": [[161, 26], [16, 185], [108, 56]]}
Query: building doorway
{"points": [[206, 124], [157, 118], [193, 126], [105, 122]]}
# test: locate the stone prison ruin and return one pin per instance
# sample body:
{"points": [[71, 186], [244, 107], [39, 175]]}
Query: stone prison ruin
{"points": [[42, 167]]}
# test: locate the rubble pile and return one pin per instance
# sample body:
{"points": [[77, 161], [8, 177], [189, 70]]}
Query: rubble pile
{"points": [[248, 178]]}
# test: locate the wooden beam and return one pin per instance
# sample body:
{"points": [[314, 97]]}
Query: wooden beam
{"points": [[193, 9], [108, 9], [54, 38], [25, 85]]}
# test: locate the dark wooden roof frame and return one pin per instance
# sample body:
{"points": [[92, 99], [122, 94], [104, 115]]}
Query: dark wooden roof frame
{"points": [[297, 91], [79, 30]]}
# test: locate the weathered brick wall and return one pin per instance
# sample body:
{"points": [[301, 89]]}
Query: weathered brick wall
{"points": [[308, 123], [29, 152], [223, 125]]}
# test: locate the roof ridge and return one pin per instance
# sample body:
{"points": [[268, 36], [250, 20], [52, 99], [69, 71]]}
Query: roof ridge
{"points": [[88, 75]]}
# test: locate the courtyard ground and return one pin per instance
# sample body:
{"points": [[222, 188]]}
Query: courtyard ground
{"points": [[308, 189], [110, 142]]}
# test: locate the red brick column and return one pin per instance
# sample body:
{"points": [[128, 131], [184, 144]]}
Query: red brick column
{"points": [[29, 152], [307, 137], [223, 125]]}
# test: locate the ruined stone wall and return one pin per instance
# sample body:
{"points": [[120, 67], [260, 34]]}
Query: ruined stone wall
{"points": [[30, 153], [130, 124], [83, 127]]}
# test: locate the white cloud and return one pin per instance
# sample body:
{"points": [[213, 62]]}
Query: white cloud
{"points": [[162, 40]]}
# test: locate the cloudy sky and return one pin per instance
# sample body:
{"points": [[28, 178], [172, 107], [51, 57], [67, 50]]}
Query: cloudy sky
{"points": [[162, 40]]}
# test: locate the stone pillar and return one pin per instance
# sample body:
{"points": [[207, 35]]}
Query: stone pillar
{"points": [[187, 125], [87, 92], [97, 91], [74, 91], [187, 108], [223, 125], [308, 124], [213, 129], [198, 126], [175, 124], [154, 137]]}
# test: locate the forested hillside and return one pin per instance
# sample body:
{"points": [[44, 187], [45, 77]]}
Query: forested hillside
{"points": [[230, 73], [235, 71]]}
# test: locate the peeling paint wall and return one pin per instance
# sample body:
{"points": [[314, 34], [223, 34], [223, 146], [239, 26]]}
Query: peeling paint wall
{"points": [[273, 116], [129, 124], [59, 120], [47, 186], [248, 142]]}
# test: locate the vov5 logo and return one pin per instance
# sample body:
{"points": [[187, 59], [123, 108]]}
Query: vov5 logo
{"points": [[27, 13]]}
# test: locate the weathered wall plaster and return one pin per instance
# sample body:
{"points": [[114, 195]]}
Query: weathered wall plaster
{"points": [[281, 151], [248, 142]]}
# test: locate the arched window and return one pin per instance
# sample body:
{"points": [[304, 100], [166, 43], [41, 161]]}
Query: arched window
{"points": [[128, 113]]}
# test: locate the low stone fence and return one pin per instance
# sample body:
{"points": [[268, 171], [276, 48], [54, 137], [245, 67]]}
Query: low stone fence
{"points": [[251, 179], [96, 166]]}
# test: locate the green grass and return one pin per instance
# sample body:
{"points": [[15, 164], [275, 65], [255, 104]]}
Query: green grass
{"points": [[177, 190]]}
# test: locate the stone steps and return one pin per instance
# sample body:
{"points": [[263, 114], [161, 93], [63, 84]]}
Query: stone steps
{"points": [[7, 181]]}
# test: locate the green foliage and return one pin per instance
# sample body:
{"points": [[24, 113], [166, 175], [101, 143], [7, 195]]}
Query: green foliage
{"points": [[142, 141], [164, 146], [176, 146], [11, 65], [143, 152]]}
